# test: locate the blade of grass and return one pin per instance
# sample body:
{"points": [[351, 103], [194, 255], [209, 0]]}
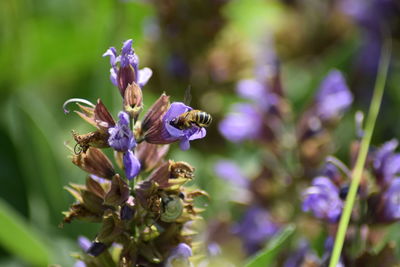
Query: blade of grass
{"points": [[17, 237], [362, 155]]}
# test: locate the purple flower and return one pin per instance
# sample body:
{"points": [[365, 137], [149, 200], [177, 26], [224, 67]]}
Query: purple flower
{"points": [[334, 97], [331, 171], [171, 133], [322, 198], [84, 243], [180, 254], [121, 137], [255, 228], [128, 70], [256, 91], [391, 200], [298, 257], [230, 172], [80, 264], [131, 164], [245, 123], [386, 163]]}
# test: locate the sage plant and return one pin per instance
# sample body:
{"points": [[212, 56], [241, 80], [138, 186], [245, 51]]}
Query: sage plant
{"points": [[139, 199], [293, 148]]}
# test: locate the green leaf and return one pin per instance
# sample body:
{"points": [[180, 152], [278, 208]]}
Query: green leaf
{"points": [[267, 256], [17, 237]]}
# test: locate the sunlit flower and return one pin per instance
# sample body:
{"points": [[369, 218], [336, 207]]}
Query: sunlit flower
{"points": [[121, 137], [131, 164], [127, 71], [163, 131]]}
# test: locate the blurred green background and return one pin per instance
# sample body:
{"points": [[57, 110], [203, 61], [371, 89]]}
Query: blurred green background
{"points": [[50, 50]]}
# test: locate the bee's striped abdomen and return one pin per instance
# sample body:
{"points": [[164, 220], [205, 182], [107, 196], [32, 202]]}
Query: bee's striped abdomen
{"points": [[203, 119]]}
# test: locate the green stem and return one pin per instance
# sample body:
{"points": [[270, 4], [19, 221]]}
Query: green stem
{"points": [[365, 142]]}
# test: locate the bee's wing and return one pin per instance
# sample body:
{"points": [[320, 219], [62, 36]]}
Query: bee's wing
{"points": [[188, 96]]}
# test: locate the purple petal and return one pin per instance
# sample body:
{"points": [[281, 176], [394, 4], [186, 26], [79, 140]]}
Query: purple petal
{"points": [[230, 172], [199, 133], [392, 200], [382, 154], [180, 253], [244, 124], [80, 264], [250, 89], [143, 76], [131, 164], [123, 118], [255, 228], [176, 109], [334, 97], [113, 76], [84, 243], [127, 47], [322, 198], [121, 137], [112, 53], [184, 144]]}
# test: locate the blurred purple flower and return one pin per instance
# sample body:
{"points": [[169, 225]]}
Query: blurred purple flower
{"points": [[213, 249], [296, 258], [180, 254], [121, 137], [386, 163], [391, 200], [128, 70], [231, 172], [322, 198], [131, 165], [255, 228], [245, 123], [84, 243], [333, 97], [80, 264], [258, 92], [171, 133], [331, 171]]}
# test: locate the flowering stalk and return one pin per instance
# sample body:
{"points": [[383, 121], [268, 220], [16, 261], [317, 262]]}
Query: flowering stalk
{"points": [[145, 212], [357, 173]]}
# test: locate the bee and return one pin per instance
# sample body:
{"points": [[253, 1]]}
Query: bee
{"points": [[190, 118]]}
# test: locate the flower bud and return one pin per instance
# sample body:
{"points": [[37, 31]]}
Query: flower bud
{"points": [[96, 249], [153, 117], [94, 161], [150, 155], [133, 100], [119, 192]]}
